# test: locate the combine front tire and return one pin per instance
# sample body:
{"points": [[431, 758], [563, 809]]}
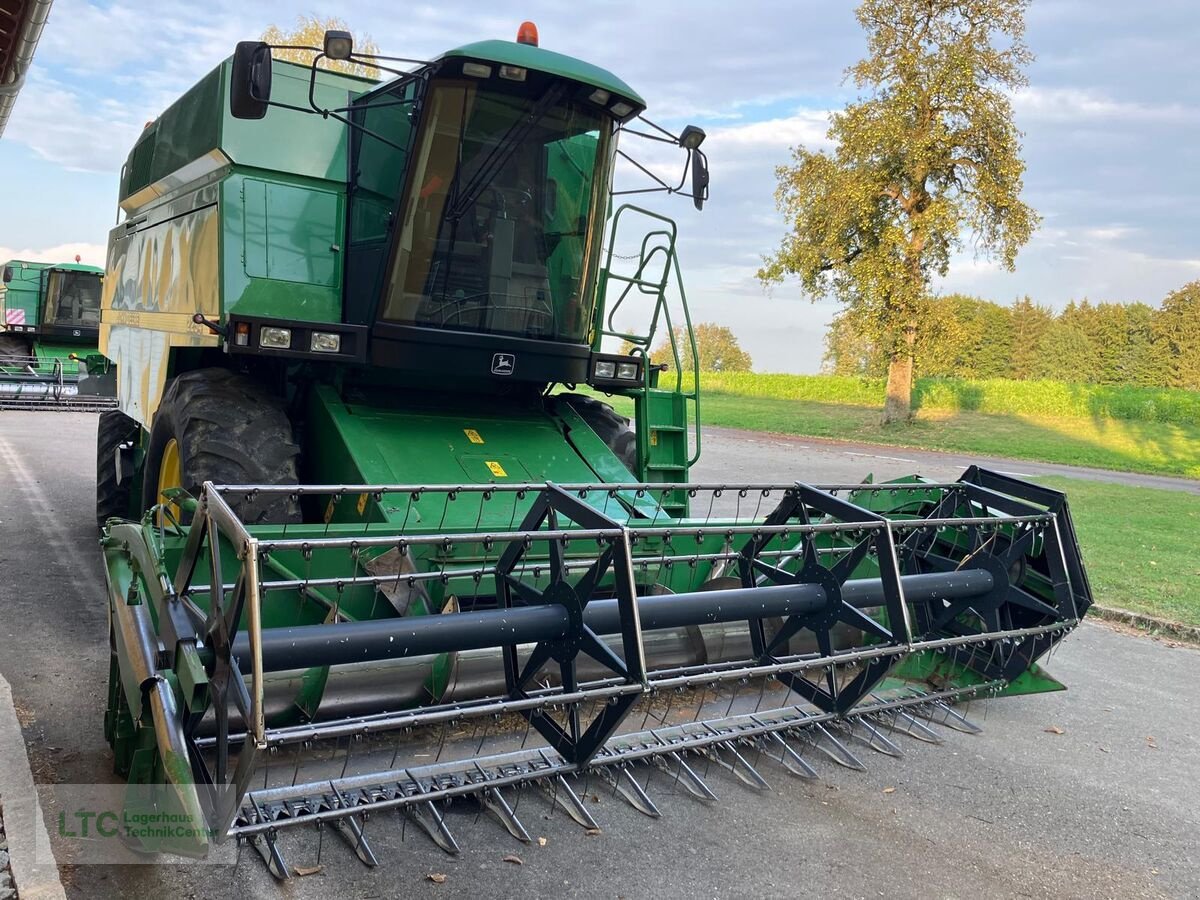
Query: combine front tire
{"points": [[215, 425], [112, 495], [609, 426]]}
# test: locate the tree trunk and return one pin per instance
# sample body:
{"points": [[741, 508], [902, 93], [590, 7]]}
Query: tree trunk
{"points": [[898, 405]]}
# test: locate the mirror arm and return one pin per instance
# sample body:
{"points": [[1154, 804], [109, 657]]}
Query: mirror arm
{"points": [[665, 186], [649, 137], [657, 190], [312, 86], [669, 137]]}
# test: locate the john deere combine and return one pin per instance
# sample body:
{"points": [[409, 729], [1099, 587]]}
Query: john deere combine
{"points": [[49, 323], [364, 555]]}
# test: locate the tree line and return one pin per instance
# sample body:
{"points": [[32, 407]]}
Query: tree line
{"points": [[1092, 343]]}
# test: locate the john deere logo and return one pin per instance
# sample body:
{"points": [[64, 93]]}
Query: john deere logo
{"points": [[503, 363]]}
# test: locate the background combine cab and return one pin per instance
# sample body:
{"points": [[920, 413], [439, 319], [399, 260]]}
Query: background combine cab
{"points": [[49, 326], [365, 554]]}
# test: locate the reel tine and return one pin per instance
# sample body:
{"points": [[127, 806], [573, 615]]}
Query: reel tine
{"points": [[268, 849], [910, 725], [627, 786], [793, 761], [351, 830], [951, 718], [493, 801], [569, 801], [838, 752], [873, 738], [426, 817], [745, 772], [687, 776]]}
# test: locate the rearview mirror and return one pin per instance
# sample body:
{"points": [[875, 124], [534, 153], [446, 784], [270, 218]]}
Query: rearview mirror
{"points": [[699, 178], [8, 274], [250, 81]]}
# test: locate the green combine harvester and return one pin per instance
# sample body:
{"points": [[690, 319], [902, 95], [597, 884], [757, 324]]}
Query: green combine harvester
{"points": [[368, 550], [49, 326]]}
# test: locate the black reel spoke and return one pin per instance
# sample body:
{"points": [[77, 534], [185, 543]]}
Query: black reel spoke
{"points": [[527, 593], [856, 618]]}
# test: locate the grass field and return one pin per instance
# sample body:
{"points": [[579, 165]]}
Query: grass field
{"points": [[1044, 399], [1139, 545], [1160, 448]]}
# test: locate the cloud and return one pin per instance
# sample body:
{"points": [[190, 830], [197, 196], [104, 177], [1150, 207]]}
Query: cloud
{"points": [[806, 127], [89, 254], [1109, 233], [60, 125], [1074, 104], [1100, 263]]}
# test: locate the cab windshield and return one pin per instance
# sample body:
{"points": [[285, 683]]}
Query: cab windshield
{"points": [[502, 214], [72, 299]]}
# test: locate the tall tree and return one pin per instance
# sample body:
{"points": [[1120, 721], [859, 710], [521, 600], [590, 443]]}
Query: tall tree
{"points": [[849, 348], [1065, 353], [964, 337], [1029, 322], [928, 154], [309, 31], [939, 348], [1144, 361], [716, 345], [1178, 327]]}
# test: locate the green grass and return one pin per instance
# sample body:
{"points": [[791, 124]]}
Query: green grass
{"points": [[1139, 546], [1130, 446], [1044, 399]]}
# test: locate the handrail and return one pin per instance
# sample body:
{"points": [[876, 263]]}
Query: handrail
{"points": [[643, 343]]}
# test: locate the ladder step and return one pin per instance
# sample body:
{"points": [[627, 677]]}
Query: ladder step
{"points": [[666, 467]]}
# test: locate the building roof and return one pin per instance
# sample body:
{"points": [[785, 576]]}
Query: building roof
{"points": [[21, 24]]}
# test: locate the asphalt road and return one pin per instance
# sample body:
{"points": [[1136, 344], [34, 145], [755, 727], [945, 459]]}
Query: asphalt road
{"points": [[1110, 807]]}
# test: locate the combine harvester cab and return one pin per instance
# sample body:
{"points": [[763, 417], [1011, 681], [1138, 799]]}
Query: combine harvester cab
{"points": [[49, 326], [363, 558]]}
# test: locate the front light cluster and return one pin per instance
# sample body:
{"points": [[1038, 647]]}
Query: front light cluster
{"points": [[299, 339], [326, 342], [275, 338], [614, 370]]}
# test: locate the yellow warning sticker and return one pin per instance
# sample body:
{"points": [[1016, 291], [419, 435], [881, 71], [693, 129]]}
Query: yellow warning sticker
{"points": [[496, 468], [362, 503], [472, 435], [653, 438], [329, 511]]}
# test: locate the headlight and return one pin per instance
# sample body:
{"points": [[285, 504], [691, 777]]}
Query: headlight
{"points": [[606, 369], [326, 342], [275, 338], [627, 371]]}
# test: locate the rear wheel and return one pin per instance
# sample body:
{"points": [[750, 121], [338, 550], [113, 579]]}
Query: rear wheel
{"points": [[215, 425], [610, 427], [112, 495]]}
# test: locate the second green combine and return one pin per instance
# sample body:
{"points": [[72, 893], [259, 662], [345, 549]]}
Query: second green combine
{"points": [[49, 328], [365, 554]]}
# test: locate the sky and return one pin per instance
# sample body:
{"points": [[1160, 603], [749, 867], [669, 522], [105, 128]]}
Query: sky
{"points": [[1111, 122]]}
